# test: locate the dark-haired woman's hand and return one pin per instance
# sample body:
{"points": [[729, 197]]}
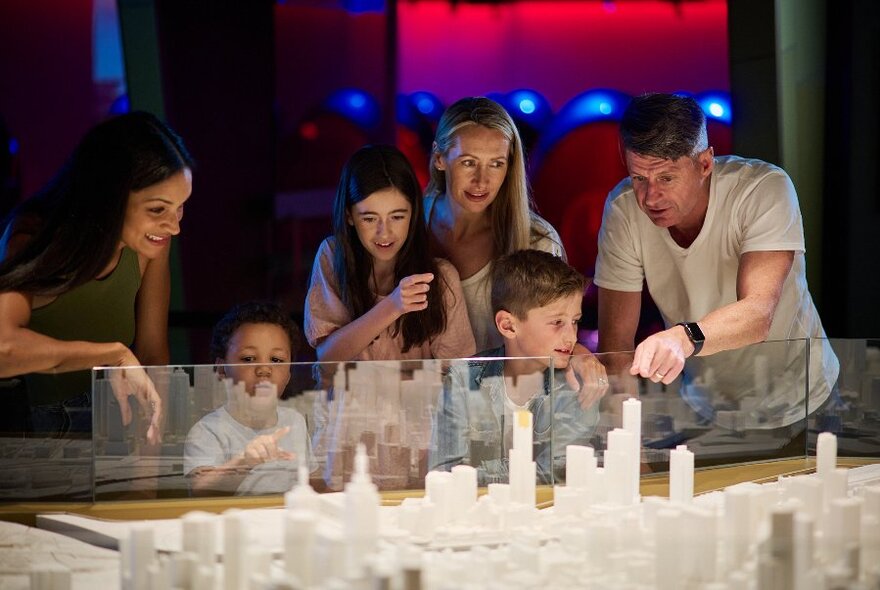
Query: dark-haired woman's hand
{"points": [[411, 293], [130, 378]]}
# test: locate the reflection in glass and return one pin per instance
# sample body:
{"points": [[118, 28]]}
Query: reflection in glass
{"points": [[414, 415], [474, 422], [250, 445], [852, 412]]}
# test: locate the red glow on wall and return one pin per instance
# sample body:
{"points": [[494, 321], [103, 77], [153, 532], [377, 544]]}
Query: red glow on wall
{"points": [[309, 131]]}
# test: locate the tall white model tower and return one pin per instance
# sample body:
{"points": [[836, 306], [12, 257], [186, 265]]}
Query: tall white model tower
{"points": [[522, 467], [361, 520]]}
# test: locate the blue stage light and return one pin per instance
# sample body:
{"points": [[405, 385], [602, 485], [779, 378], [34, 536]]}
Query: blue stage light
{"points": [[13, 146], [587, 107], [427, 104], [120, 105], [596, 104], [527, 106], [716, 105], [357, 101], [356, 105], [362, 6]]}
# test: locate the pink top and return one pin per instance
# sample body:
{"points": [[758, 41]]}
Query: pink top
{"points": [[325, 313]]}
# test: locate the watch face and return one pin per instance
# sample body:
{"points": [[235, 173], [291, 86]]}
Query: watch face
{"points": [[694, 332]]}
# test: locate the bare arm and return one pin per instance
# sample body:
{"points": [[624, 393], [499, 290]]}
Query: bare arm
{"points": [[350, 340], [618, 319], [345, 343], [25, 351], [229, 476], [758, 289], [153, 298], [759, 285]]}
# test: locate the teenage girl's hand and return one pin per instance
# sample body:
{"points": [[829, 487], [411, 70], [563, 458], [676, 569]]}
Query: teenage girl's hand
{"points": [[133, 380], [265, 448], [411, 293]]}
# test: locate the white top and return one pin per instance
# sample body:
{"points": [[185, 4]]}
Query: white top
{"points": [[477, 288], [218, 437], [753, 207]]}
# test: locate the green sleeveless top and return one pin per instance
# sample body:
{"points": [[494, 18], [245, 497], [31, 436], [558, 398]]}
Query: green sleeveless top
{"points": [[102, 310]]}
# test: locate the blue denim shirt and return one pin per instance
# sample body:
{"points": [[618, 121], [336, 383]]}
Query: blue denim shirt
{"points": [[470, 427]]}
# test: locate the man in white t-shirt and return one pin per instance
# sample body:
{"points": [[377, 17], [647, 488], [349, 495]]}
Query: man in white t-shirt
{"points": [[719, 242]]}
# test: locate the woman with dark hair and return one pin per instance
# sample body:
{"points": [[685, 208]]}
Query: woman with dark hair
{"points": [[84, 277], [376, 292]]}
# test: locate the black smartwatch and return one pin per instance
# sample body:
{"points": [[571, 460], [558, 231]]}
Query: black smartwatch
{"points": [[695, 335]]}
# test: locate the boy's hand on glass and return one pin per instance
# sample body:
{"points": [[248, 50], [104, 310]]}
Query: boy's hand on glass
{"points": [[265, 448], [586, 375], [411, 293]]}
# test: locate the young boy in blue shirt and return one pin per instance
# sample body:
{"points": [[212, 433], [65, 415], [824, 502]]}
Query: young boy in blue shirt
{"points": [[536, 298]]}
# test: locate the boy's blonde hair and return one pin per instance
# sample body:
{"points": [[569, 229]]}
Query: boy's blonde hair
{"points": [[527, 279]]}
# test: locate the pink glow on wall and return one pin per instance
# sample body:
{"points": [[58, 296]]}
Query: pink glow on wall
{"points": [[561, 48]]}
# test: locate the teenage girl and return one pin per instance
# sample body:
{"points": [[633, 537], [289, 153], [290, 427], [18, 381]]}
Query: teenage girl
{"points": [[375, 291]]}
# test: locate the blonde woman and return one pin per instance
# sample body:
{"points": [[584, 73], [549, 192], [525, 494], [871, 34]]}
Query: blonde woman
{"points": [[477, 204]]}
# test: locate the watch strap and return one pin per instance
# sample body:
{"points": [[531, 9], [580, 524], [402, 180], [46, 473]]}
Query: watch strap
{"points": [[694, 334]]}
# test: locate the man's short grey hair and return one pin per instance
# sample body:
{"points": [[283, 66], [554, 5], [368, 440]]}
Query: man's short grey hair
{"points": [[665, 126]]}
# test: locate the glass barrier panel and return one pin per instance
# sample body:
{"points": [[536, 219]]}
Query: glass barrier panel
{"points": [[38, 468], [732, 407], [851, 411], [388, 407], [246, 430], [475, 419], [748, 404], [184, 431], [45, 440]]}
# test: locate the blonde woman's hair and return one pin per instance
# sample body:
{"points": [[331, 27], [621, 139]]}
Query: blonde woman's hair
{"points": [[510, 212]]}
